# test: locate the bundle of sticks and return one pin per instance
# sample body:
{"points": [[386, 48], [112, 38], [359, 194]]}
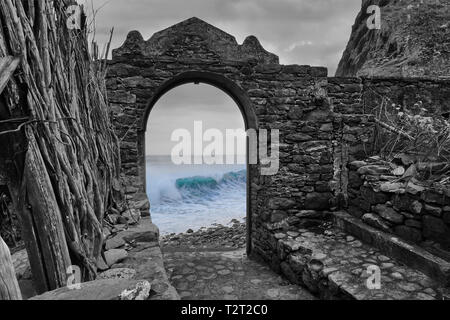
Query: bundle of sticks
{"points": [[58, 145]]}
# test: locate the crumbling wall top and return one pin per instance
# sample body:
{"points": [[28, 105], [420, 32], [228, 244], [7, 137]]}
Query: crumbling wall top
{"points": [[198, 35]]}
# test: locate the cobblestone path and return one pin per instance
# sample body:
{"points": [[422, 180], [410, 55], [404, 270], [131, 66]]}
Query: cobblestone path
{"points": [[227, 275]]}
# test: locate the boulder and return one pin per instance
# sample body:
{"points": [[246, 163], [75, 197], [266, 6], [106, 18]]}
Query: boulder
{"points": [[281, 203], [433, 197], [436, 229], [310, 214], [374, 170], [416, 207], [142, 205], [101, 264], [406, 202], [389, 214], [119, 273], [114, 243], [413, 224], [140, 292], [392, 187], [435, 211], [399, 171], [409, 234], [354, 180], [355, 165], [318, 201], [373, 197], [114, 256], [133, 216], [113, 218], [145, 231], [413, 188], [94, 290], [377, 222]]}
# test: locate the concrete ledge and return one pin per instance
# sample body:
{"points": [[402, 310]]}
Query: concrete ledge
{"points": [[94, 290], [412, 255], [144, 259]]}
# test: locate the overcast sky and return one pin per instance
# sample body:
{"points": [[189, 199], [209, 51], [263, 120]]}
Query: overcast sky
{"points": [[312, 32]]}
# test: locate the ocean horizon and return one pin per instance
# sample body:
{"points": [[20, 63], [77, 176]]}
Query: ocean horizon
{"points": [[193, 196]]}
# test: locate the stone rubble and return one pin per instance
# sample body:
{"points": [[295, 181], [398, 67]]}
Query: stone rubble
{"points": [[334, 265], [218, 236], [415, 210]]}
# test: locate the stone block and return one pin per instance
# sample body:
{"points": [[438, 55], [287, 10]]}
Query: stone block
{"points": [[318, 201], [373, 170], [377, 222], [281, 203], [436, 229], [432, 210], [354, 180], [409, 234], [389, 214], [373, 197], [114, 256], [413, 224]]}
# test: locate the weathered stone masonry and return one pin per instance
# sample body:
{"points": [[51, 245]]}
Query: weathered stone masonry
{"points": [[322, 121], [270, 95]]}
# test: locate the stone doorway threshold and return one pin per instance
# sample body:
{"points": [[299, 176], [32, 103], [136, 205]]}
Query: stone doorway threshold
{"points": [[227, 275]]}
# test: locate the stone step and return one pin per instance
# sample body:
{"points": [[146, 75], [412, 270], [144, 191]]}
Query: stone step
{"points": [[411, 255], [335, 265]]}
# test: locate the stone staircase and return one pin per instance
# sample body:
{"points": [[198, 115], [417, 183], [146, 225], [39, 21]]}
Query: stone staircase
{"points": [[334, 265]]}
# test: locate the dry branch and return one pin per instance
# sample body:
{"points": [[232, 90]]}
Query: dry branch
{"points": [[65, 157], [9, 288]]}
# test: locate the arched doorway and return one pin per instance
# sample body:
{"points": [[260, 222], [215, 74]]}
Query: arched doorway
{"points": [[163, 193]]}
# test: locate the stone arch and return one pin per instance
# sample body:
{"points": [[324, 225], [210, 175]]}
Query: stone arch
{"points": [[216, 80], [228, 86], [291, 98]]}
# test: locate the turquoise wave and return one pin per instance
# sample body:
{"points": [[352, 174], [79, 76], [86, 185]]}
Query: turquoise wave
{"points": [[210, 182], [200, 189]]}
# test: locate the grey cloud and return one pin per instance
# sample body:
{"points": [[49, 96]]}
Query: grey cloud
{"points": [[278, 24], [313, 32]]}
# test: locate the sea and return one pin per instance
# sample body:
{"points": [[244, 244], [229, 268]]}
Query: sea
{"points": [[193, 196]]}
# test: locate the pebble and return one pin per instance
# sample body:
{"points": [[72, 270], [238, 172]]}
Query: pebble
{"points": [[409, 286], [273, 293], [387, 265], [383, 258], [397, 276], [293, 234], [228, 289], [256, 281], [185, 294], [319, 256], [224, 272]]}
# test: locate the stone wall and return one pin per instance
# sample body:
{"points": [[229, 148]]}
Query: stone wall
{"points": [[325, 123], [355, 101], [271, 96], [413, 211], [433, 93]]}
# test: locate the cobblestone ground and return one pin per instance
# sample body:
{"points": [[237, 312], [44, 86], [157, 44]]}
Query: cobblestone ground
{"points": [[226, 275], [344, 261]]}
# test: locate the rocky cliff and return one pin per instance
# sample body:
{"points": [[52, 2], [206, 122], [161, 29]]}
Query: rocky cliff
{"points": [[414, 41]]}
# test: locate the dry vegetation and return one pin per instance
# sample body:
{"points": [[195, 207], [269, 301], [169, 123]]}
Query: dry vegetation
{"points": [[412, 134], [59, 150]]}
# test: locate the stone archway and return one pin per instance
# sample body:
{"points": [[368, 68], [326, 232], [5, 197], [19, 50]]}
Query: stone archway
{"points": [[229, 87], [290, 98]]}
